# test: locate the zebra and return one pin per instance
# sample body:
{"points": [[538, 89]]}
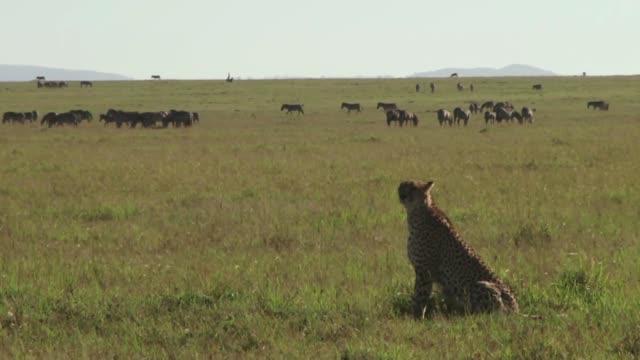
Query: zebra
{"points": [[474, 107], [461, 114], [408, 116], [460, 86], [293, 107], [527, 114], [489, 117], [444, 116], [386, 106], [349, 107], [393, 115], [86, 84]]}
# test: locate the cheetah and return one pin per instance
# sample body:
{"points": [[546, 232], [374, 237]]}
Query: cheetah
{"points": [[439, 255]]}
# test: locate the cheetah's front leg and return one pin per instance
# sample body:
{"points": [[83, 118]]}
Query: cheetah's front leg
{"points": [[422, 293]]}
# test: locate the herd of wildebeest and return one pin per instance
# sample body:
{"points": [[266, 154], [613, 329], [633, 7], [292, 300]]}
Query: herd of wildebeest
{"points": [[176, 118], [494, 112]]}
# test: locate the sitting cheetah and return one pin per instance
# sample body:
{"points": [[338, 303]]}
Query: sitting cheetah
{"points": [[438, 254]]}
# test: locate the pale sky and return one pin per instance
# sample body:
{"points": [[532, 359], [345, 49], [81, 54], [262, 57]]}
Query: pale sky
{"points": [[333, 38]]}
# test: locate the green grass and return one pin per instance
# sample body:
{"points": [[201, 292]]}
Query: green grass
{"points": [[260, 235]]}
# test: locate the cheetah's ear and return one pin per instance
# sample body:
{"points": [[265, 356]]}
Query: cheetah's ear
{"points": [[427, 187]]}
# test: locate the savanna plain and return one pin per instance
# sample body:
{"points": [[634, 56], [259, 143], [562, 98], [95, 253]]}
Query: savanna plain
{"points": [[256, 234]]}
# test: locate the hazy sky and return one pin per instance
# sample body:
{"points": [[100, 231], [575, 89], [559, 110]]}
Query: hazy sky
{"points": [[252, 38]]}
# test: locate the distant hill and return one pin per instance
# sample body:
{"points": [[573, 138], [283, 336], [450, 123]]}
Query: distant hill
{"points": [[509, 70], [28, 72]]}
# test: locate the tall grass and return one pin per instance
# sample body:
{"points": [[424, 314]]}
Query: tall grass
{"points": [[256, 234]]}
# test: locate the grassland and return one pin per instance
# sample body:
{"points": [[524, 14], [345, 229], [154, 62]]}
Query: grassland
{"points": [[260, 235]]}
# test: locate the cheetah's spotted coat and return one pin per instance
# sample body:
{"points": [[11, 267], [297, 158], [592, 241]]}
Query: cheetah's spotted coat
{"points": [[438, 254]]}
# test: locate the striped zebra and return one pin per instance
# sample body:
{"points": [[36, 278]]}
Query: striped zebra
{"points": [[407, 117], [293, 107], [444, 116], [386, 106], [349, 107]]}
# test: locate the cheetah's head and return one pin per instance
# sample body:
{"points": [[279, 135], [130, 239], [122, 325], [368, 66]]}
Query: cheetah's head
{"points": [[415, 192]]}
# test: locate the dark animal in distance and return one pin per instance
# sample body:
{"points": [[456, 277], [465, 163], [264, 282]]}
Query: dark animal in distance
{"points": [[599, 105], [350, 107], [433, 87], [417, 88], [40, 78], [486, 105], [155, 77], [293, 107], [471, 88], [386, 106], [454, 75], [537, 87], [229, 79], [86, 84]]}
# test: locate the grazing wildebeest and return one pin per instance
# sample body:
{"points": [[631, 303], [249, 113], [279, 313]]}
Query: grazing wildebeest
{"points": [[600, 105], [433, 87], [155, 77], [14, 117], [486, 105], [408, 116], [82, 115], [49, 119], [150, 119], [460, 86], [293, 107], [349, 107], [386, 106], [40, 78], [417, 87], [502, 114], [444, 116], [516, 116], [178, 118], [537, 87], [489, 117], [62, 84], [474, 107], [527, 114], [393, 115], [502, 104], [454, 75], [86, 84], [471, 88], [461, 114], [60, 119]]}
